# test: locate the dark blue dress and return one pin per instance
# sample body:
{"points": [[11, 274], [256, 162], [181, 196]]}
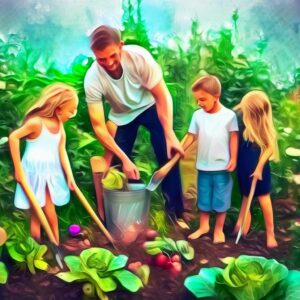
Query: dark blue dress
{"points": [[248, 156]]}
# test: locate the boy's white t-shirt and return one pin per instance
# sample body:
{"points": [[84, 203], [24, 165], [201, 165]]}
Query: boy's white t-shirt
{"points": [[128, 96], [213, 131]]}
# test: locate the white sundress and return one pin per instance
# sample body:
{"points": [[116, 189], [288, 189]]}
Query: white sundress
{"points": [[42, 167]]}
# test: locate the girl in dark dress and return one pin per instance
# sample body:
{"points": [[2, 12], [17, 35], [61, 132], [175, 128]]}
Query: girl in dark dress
{"points": [[257, 145]]}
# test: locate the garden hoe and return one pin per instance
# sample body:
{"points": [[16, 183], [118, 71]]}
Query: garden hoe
{"points": [[42, 218], [249, 200], [160, 174], [99, 166], [93, 215]]}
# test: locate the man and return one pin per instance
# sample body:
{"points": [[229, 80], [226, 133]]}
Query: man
{"points": [[132, 83]]}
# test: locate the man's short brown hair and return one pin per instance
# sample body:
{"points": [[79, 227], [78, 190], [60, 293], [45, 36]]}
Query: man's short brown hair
{"points": [[103, 36], [209, 84]]}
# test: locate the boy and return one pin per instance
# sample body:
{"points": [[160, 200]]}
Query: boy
{"points": [[216, 130]]}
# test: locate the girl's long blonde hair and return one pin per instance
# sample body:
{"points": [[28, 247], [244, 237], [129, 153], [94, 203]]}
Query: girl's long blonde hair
{"points": [[51, 98], [257, 117]]}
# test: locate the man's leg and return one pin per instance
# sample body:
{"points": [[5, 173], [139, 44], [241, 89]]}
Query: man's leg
{"points": [[171, 185]]}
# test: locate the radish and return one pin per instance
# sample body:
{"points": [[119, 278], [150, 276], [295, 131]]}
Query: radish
{"points": [[176, 268], [175, 258], [161, 260], [134, 266], [151, 234]]}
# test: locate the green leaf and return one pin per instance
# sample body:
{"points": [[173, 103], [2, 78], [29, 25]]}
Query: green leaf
{"points": [[42, 249], [153, 251], [14, 254], [171, 243], [40, 264], [105, 255], [203, 285], [73, 276], [73, 263], [94, 255], [85, 139], [3, 273], [128, 280], [114, 180], [117, 263], [30, 261], [185, 249], [290, 285], [107, 284], [293, 288], [143, 272]]}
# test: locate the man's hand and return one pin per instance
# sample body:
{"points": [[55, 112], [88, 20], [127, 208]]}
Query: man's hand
{"points": [[130, 170], [173, 145]]}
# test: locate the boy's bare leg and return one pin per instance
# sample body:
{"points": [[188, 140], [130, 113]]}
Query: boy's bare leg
{"points": [[50, 213], [219, 236], [35, 227], [239, 221], [203, 226], [266, 207]]}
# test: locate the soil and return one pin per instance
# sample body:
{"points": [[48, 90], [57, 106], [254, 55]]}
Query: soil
{"points": [[162, 284]]}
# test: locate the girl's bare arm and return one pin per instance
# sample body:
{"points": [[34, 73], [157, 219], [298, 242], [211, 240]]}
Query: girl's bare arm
{"points": [[262, 161]]}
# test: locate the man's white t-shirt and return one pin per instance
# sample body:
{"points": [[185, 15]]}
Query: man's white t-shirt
{"points": [[129, 95], [213, 132]]}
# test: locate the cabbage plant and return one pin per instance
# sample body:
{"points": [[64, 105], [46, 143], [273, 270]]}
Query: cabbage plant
{"points": [[246, 278], [100, 271], [28, 253]]}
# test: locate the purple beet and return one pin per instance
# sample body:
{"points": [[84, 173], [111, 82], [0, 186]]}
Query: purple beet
{"points": [[74, 229]]}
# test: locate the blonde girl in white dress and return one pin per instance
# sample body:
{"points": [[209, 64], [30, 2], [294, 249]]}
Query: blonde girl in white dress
{"points": [[45, 165]]}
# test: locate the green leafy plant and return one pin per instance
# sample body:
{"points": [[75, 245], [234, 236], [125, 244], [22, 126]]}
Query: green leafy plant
{"points": [[114, 180], [169, 246], [100, 271], [245, 278], [3, 273], [28, 253]]}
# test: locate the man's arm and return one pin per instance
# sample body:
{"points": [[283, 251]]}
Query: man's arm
{"points": [[165, 114], [97, 118]]}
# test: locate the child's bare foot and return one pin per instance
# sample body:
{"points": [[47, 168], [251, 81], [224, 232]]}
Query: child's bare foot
{"points": [[219, 237], [198, 233], [271, 242]]}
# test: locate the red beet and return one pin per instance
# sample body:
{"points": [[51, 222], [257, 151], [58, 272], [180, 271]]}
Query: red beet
{"points": [[134, 266], [151, 234], [176, 268], [175, 258], [161, 260]]}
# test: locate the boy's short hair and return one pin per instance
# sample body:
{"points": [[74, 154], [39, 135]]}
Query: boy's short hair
{"points": [[103, 36], [209, 84]]}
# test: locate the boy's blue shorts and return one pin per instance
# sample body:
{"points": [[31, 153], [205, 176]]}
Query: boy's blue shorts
{"points": [[214, 190]]}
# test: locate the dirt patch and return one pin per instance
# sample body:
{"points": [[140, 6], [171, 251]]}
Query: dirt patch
{"points": [[162, 284]]}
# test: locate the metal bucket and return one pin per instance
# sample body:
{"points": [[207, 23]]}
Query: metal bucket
{"points": [[126, 212]]}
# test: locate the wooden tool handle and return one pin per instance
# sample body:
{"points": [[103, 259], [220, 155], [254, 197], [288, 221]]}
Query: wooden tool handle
{"points": [[39, 212], [93, 215]]}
